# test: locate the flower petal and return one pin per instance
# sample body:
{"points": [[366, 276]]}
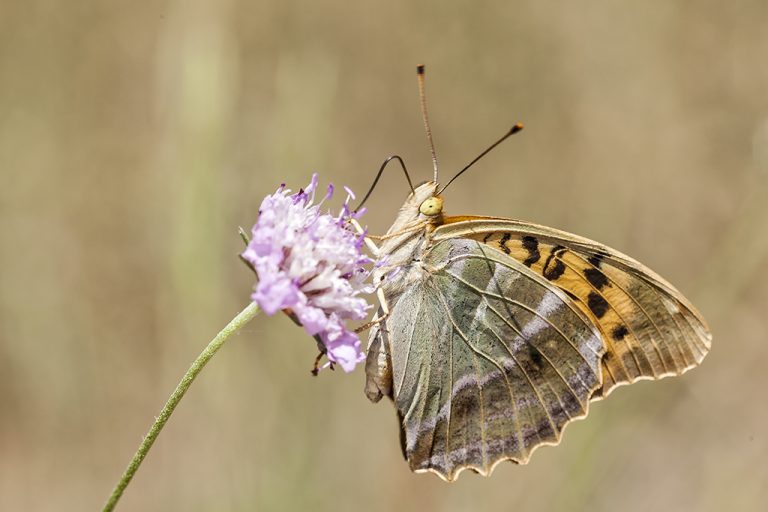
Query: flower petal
{"points": [[312, 262], [275, 293]]}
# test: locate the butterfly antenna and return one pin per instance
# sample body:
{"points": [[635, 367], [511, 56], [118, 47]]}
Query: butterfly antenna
{"points": [[425, 117], [512, 131], [378, 175]]}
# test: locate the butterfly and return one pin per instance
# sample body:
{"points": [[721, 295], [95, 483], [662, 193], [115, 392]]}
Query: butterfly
{"points": [[493, 334]]}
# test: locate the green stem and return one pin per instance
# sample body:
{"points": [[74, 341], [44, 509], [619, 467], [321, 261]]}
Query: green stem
{"points": [[197, 366]]}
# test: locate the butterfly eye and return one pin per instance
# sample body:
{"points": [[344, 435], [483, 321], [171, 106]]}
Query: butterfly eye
{"points": [[432, 206]]}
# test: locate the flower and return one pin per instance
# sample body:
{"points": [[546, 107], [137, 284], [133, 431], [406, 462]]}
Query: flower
{"points": [[311, 264]]}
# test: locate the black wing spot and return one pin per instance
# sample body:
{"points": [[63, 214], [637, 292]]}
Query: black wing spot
{"points": [[554, 271], [531, 245], [596, 259], [536, 359], [619, 332], [596, 278], [597, 304], [503, 243]]}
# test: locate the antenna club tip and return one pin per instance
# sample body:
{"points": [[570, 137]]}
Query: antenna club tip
{"points": [[420, 69], [517, 128]]}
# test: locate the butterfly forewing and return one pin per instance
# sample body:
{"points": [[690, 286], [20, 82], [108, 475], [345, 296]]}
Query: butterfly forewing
{"points": [[649, 329], [489, 360]]}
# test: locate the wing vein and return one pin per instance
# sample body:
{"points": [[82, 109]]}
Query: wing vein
{"points": [[500, 368], [569, 304], [629, 326], [475, 353], [407, 354], [546, 358], [530, 310], [618, 314]]}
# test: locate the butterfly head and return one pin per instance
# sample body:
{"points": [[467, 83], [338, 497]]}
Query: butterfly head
{"points": [[431, 206], [423, 206], [425, 202]]}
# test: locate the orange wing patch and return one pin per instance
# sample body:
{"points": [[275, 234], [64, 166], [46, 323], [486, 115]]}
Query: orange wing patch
{"points": [[646, 334]]}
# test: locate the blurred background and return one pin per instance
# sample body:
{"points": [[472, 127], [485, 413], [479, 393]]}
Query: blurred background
{"points": [[135, 137]]}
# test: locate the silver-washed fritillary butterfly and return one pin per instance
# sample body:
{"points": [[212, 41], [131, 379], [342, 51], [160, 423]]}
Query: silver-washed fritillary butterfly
{"points": [[494, 334]]}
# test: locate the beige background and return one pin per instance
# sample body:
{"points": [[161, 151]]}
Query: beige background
{"points": [[135, 137]]}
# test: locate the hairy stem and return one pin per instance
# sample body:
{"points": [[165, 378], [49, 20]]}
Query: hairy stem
{"points": [[197, 366]]}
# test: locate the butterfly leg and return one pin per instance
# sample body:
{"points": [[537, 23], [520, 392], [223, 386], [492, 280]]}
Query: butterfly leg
{"points": [[316, 367], [376, 321], [408, 229]]}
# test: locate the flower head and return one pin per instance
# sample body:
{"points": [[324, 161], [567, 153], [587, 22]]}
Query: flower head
{"points": [[312, 264]]}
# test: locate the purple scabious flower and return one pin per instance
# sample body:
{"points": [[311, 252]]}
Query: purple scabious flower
{"points": [[311, 263]]}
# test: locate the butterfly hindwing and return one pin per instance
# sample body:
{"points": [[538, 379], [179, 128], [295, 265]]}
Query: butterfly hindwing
{"points": [[488, 360], [650, 330]]}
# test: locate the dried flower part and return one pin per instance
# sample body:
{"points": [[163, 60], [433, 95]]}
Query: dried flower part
{"points": [[312, 263]]}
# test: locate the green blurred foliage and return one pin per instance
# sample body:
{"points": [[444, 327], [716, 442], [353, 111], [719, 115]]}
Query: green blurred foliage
{"points": [[135, 137]]}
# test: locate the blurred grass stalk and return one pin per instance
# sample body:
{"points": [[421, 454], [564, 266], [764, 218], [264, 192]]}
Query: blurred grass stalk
{"points": [[197, 80], [197, 73]]}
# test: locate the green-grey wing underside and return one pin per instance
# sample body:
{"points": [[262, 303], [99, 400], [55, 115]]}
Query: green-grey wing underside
{"points": [[488, 360]]}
